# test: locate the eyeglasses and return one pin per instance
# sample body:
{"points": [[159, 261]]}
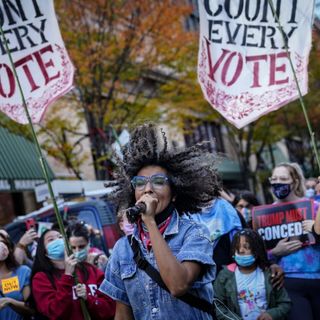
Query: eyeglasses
{"points": [[157, 181], [281, 179]]}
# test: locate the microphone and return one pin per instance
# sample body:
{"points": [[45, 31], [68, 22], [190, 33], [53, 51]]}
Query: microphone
{"points": [[134, 212]]}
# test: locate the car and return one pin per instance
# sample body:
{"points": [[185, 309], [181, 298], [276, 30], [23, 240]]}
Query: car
{"points": [[97, 214]]}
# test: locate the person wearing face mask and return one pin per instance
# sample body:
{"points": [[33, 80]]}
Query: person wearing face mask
{"points": [[15, 283], [301, 264], [55, 293], [245, 287], [244, 201], [79, 238], [310, 185], [126, 228]]}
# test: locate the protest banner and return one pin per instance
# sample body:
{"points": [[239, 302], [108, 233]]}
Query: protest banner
{"points": [[40, 59], [243, 63], [284, 220]]}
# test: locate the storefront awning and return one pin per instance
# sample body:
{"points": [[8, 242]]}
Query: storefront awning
{"points": [[20, 169]]}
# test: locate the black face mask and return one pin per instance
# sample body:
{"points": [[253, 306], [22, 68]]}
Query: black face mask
{"points": [[281, 190], [162, 216]]}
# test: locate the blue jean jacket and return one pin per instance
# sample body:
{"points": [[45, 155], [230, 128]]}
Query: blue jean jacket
{"points": [[125, 282]]}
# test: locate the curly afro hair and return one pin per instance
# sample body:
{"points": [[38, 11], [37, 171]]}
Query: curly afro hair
{"points": [[193, 176]]}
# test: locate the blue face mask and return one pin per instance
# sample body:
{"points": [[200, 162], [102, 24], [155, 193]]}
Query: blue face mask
{"points": [[310, 193], [81, 255], [246, 214], [244, 260], [55, 249], [281, 190]]}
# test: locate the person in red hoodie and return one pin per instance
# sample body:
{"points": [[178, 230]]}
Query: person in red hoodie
{"points": [[53, 285]]}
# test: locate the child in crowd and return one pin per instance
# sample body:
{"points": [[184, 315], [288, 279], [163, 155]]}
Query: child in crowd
{"points": [[126, 228], [245, 286]]}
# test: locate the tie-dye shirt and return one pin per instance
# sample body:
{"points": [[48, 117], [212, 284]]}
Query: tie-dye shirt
{"points": [[304, 263]]}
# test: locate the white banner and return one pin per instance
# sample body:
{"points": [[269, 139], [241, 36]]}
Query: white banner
{"points": [[40, 58], [243, 66]]}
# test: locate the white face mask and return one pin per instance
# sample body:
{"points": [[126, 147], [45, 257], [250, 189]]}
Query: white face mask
{"points": [[4, 251]]}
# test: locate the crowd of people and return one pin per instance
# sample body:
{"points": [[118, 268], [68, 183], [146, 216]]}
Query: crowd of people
{"points": [[189, 252]]}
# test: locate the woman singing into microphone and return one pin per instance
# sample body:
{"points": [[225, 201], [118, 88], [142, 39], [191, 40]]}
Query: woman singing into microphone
{"points": [[170, 184]]}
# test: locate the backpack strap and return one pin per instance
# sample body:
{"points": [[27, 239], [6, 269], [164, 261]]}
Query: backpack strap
{"points": [[154, 274]]}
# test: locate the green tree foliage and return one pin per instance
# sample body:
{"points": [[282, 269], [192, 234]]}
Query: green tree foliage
{"points": [[187, 102], [122, 50], [135, 62], [293, 118], [61, 137]]}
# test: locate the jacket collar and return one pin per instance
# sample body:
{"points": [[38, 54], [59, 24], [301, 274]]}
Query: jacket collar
{"points": [[173, 227]]}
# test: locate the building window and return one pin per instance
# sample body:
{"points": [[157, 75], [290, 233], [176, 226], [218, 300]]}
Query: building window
{"points": [[206, 132]]}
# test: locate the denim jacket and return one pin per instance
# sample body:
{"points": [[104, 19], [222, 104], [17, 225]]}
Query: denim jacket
{"points": [[125, 282]]}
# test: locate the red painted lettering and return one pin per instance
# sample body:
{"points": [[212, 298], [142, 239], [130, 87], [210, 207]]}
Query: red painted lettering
{"points": [[237, 71], [26, 68], [44, 65], [256, 67], [276, 69], [23, 62], [213, 68], [231, 64], [11, 82]]}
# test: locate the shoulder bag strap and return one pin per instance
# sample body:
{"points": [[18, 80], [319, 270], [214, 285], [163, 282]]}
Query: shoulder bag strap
{"points": [[154, 274]]}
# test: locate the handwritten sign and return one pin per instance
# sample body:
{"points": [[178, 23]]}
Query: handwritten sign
{"points": [[10, 285], [41, 61], [279, 221], [243, 65]]}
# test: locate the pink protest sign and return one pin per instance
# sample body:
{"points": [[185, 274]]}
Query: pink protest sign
{"points": [[39, 55], [243, 65]]}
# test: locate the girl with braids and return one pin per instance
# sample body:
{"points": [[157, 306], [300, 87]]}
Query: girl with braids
{"points": [[53, 288], [245, 287], [170, 184]]}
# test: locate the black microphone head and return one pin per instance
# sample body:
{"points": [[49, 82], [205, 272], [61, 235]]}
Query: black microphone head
{"points": [[134, 212], [142, 207]]}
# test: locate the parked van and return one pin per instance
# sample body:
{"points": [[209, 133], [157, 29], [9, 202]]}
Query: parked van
{"points": [[98, 214]]}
